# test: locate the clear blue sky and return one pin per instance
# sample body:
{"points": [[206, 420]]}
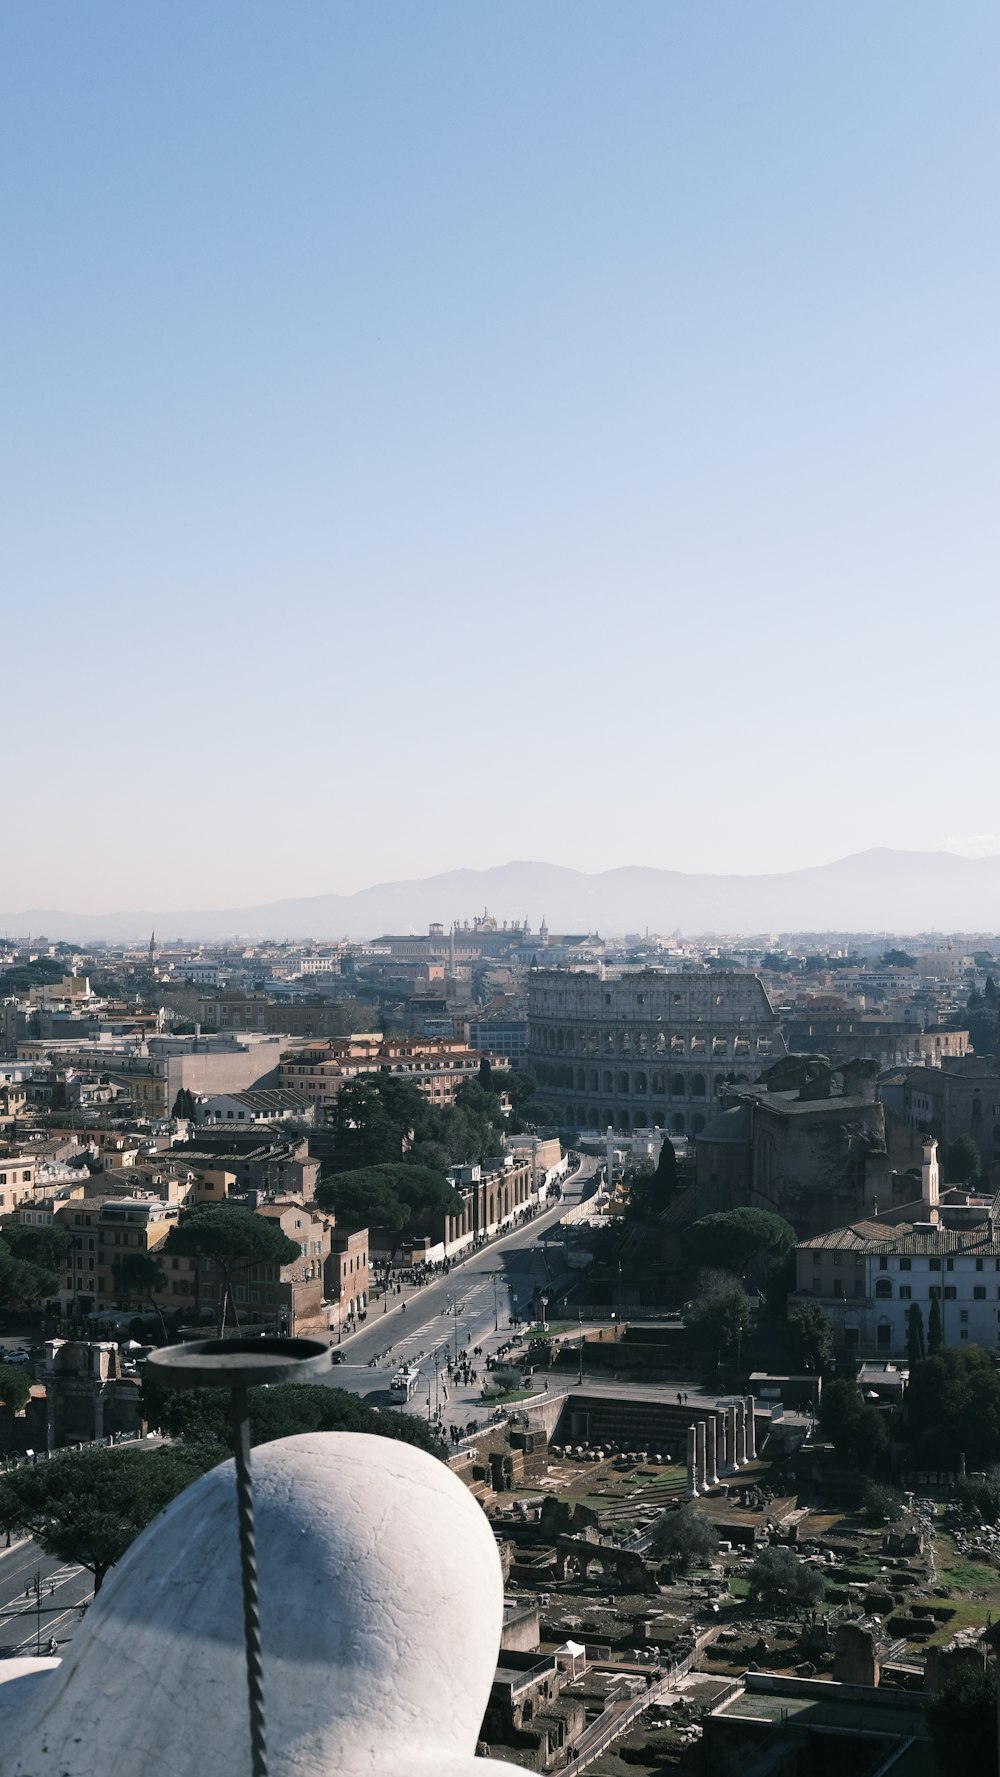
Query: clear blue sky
{"points": [[443, 433]]}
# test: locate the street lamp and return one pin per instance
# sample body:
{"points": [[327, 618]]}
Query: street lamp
{"points": [[240, 1364]]}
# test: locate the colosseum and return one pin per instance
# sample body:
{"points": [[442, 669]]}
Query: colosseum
{"points": [[633, 1049]]}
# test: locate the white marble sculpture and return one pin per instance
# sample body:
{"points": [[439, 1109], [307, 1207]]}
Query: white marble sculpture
{"points": [[381, 1606]]}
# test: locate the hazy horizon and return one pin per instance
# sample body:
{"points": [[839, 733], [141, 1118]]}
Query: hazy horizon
{"points": [[439, 435]]}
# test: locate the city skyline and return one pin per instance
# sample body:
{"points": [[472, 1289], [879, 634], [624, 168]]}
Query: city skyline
{"points": [[444, 436]]}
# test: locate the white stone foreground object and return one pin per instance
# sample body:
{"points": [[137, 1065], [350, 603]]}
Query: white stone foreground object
{"points": [[381, 1602]]}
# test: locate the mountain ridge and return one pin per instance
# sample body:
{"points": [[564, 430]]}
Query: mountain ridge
{"points": [[880, 889]]}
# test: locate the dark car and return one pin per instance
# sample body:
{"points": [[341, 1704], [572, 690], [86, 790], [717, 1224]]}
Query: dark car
{"points": [[336, 1357]]}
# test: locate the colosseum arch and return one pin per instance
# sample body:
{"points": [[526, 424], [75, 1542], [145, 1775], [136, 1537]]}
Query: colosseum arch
{"points": [[697, 1085], [677, 1088]]}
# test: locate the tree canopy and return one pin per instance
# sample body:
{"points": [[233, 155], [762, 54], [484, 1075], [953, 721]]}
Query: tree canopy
{"points": [[733, 1238], [233, 1238], [87, 1506], [202, 1415], [953, 1405], [963, 1722], [382, 1121], [14, 1386], [811, 1335], [856, 1430], [391, 1197], [779, 1579], [231, 1234], [963, 1162], [721, 1315], [651, 1189], [685, 1538], [21, 1279]]}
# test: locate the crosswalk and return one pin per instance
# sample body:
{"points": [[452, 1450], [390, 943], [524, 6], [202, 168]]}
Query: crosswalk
{"points": [[56, 1613]]}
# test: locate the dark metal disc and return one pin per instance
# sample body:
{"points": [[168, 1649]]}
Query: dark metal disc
{"points": [[238, 1363]]}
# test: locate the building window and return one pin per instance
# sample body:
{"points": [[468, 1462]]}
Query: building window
{"points": [[906, 1264], [979, 1294], [935, 1264], [883, 1288], [883, 1264], [949, 1264], [905, 1292], [949, 1292], [963, 1314]]}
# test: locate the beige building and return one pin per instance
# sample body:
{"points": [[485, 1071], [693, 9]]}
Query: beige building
{"points": [[436, 1067]]}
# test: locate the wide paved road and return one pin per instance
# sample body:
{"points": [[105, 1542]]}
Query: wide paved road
{"points": [[470, 1305], [63, 1588]]}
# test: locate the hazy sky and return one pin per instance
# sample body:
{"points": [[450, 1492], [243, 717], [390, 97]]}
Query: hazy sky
{"points": [[444, 433]]}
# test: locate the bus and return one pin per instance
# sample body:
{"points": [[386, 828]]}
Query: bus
{"points": [[403, 1385]]}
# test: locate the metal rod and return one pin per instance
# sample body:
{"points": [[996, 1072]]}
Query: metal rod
{"points": [[248, 1569]]}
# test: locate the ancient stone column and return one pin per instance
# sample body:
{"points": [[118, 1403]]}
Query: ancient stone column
{"points": [[699, 1445], [741, 1434], [751, 1430], [734, 1455], [692, 1458], [711, 1454], [725, 1466]]}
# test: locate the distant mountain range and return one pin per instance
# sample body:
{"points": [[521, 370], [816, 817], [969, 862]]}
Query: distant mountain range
{"points": [[872, 891]]}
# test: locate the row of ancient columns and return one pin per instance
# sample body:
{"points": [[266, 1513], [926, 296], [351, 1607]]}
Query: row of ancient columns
{"points": [[719, 1444]]}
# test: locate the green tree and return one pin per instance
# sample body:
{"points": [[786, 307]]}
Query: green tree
{"points": [[22, 1281], [953, 1406], [721, 1316], [518, 1087], [856, 1430], [233, 1239], [374, 1119], [915, 1347], [935, 1328], [485, 1074], [14, 1387], [202, 1415], [963, 1722], [48, 1248], [811, 1336], [990, 991], [733, 1238], [184, 1104], [982, 1494], [395, 1198], [666, 1168], [898, 959], [685, 1538], [881, 1502], [138, 1277], [964, 1161], [781, 1581], [87, 1506]]}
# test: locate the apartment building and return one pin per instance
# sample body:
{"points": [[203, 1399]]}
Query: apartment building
{"points": [[436, 1067], [869, 1275]]}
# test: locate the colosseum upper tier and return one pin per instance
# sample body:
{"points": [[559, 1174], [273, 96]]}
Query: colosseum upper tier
{"points": [[646, 1047]]}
